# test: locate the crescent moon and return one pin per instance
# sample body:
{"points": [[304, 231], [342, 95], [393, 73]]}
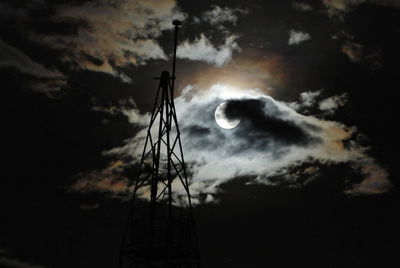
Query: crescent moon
{"points": [[221, 118]]}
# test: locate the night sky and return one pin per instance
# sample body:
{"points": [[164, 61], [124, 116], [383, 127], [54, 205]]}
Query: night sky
{"points": [[307, 178]]}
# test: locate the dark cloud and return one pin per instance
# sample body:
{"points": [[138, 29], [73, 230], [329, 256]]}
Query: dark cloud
{"points": [[198, 131], [257, 124]]}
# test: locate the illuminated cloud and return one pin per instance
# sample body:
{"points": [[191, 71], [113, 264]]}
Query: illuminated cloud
{"points": [[113, 34], [271, 140], [331, 104], [297, 37], [201, 49], [253, 70], [219, 15], [308, 98], [312, 100]]}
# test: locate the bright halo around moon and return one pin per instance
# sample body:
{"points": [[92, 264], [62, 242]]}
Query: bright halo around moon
{"points": [[221, 118]]}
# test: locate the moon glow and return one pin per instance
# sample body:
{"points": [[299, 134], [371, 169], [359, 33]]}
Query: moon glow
{"points": [[221, 118]]}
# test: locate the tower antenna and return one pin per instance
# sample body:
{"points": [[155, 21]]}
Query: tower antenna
{"points": [[158, 233], [176, 23]]}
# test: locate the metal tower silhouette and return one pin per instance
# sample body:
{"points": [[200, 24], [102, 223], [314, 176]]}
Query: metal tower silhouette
{"points": [[158, 233]]}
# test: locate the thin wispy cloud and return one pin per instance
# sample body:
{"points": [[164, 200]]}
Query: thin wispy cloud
{"points": [[126, 107], [109, 181], [50, 80]]}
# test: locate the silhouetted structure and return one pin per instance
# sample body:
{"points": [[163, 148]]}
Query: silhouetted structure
{"points": [[157, 233]]}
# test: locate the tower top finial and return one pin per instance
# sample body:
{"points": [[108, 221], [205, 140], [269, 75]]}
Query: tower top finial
{"points": [[177, 22]]}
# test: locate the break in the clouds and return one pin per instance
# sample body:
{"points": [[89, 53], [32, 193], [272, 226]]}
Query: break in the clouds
{"points": [[297, 37], [201, 49], [271, 140], [218, 15], [46, 80]]}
